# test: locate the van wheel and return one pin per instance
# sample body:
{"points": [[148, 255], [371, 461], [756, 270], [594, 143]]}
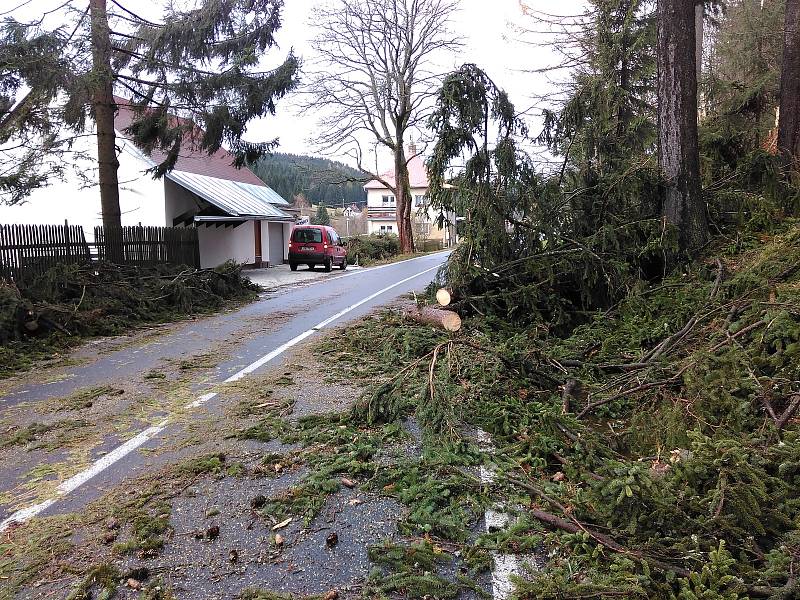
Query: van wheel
{"points": [[343, 266], [293, 266], [328, 265]]}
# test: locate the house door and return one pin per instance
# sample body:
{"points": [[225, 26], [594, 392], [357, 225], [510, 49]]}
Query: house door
{"points": [[276, 243]]}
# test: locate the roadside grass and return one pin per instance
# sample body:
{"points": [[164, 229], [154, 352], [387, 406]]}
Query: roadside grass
{"points": [[36, 549], [399, 258]]}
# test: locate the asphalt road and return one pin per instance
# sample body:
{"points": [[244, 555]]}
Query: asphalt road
{"points": [[254, 336]]}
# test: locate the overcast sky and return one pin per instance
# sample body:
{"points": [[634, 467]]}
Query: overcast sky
{"points": [[492, 40]]}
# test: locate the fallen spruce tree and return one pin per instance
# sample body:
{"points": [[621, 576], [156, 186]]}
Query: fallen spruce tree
{"points": [[653, 450], [71, 302], [643, 404]]}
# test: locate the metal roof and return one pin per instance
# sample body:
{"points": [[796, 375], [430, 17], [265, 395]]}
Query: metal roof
{"points": [[234, 197]]}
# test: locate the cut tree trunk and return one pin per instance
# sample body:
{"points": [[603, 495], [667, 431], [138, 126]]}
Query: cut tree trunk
{"points": [[789, 115], [102, 91], [429, 315], [443, 297], [677, 120]]}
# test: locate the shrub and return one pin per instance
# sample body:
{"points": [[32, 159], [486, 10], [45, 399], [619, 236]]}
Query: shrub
{"points": [[366, 249]]}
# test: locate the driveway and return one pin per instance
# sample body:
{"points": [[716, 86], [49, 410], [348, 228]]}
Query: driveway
{"points": [[281, 275]]}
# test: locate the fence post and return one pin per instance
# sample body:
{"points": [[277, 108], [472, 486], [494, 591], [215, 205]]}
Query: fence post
{"points": [[66, 238]]}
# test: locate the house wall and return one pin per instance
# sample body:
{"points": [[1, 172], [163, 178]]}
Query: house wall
{"points": [[266, 256], [287, 235], [218, 244], [276, 244], [375, 201], [141, 197], [178, 200], [374, 226]]}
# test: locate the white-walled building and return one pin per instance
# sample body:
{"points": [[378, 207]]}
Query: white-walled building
{"points": [[238, 216], [382, 204]]}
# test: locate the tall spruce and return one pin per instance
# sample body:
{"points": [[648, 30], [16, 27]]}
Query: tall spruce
{"points": [[677, 122], [202, 65], [607, 125], [789, 117]]}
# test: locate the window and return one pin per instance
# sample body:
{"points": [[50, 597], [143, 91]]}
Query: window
{"points": [[388, 200], [386, 229], [307, 235], [419, 200], [334, 237]]}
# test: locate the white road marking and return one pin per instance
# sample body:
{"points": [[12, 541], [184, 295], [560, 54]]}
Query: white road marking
{"points": [[505, 565], [78, 480], [100, 465]]}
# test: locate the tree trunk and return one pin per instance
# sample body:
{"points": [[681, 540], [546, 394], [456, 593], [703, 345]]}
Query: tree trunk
{"points": [[104, 108], [403, 199], [430, 315], [677, 120], [789, 116], [699, 13]]}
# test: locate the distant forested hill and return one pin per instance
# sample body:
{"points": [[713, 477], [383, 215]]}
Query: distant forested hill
{"points": [[319, 179]]}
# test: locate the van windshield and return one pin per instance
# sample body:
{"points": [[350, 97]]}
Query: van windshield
{"points": [[307, 236]]}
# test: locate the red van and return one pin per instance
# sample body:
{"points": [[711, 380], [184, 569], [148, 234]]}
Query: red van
{"points": [[316, 245]]}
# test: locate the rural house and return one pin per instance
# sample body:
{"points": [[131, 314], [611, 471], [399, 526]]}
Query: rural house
{"points": [[238, 216], [382, 205]]}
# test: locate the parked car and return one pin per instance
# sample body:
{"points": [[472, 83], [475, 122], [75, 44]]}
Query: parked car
{"points": [[316, 245]]}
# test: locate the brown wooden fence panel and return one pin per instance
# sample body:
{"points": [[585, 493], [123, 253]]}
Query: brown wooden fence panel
{"points": [[148, 245], [29, 250]]}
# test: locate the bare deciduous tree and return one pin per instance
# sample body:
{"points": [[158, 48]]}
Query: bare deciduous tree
{"points": [[375, 79]]}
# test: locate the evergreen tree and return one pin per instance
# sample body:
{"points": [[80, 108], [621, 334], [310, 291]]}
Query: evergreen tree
{"points": [[321, 180], [322, 217], [607, 125], [201, 64]]}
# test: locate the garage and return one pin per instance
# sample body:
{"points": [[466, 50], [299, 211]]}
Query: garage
{"points": [[276, 244]]}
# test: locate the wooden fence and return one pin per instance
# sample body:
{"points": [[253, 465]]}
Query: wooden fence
{"points": [[148, 245], [29, 250]]}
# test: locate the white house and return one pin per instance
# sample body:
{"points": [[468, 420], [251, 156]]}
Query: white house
{"points": [[238, 216], [382, 204]]}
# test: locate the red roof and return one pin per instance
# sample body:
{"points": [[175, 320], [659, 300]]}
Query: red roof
{"points": [[191, 159], [417, 175]]}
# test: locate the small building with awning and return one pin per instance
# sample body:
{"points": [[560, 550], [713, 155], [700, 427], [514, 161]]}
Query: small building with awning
{"points": [[237, 215], [236, 221]]}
